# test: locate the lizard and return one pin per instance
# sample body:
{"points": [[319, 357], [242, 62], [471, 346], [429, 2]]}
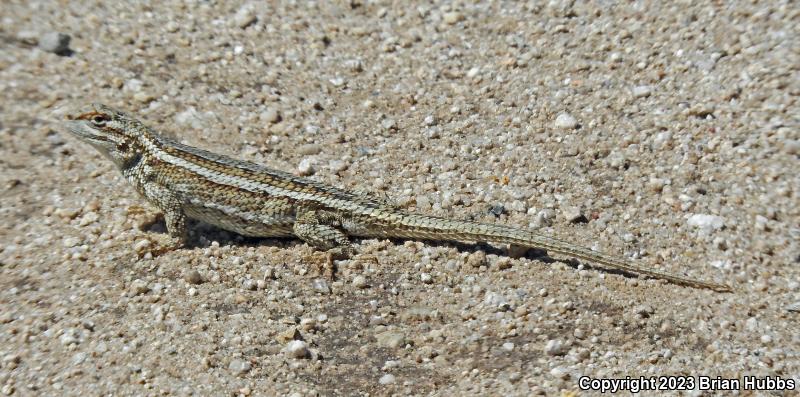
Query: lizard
{"points": [[256, 201]]}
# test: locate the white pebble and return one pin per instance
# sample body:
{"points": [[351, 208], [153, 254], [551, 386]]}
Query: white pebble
{"points": [[239, 367], [321, 286], [751, 324], [360, 281], [70, 336], [508, 346], [139, 287], [387, 379], [297, 349], [559, 372], [566, 121], [426, 278], [306, 166], [452, 17], [706, 222], [270, 116], [70, 242], [55, 42], [554, 347], [642, 91], [141, 245], [244, 17]]}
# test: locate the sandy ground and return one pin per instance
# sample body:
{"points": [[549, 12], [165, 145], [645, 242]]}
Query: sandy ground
{"points": [[663, 132]]}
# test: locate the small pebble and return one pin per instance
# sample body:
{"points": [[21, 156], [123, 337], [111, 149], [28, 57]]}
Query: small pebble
{"points": [[143, 97], [426, 278], [139, 287], [192, 276], [321, 285], [573, 214], [306, 167], [244, 17], [706, 222], [172, 26], [387, 379], [554, 347], [392, 340], [508, 346], [642, 91], [270, 116], [249, 284], [477, 259], [566, 121], [297, 349], [452, 17], [360, 281], [239, 367], [308, 324], [559, 372], [337, 166], [141, 245], [751, 324], [89, 218], [388, 124], [545, 217], [309, 149], [56, 43], [70, 336]]}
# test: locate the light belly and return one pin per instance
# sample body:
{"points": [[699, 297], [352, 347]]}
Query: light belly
{"points": [[244, 223]]}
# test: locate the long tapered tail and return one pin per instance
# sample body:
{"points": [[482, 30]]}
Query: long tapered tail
{"points": [[416, 226]]}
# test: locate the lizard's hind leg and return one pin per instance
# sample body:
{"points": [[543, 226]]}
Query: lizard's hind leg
{"points": [[322, 230]]}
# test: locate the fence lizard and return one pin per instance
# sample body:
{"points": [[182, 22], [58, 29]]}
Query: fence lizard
{"points": [[253, 200]]}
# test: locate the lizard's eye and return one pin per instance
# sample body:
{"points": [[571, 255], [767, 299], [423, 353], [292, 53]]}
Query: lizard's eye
{"points": [[99, 120]]}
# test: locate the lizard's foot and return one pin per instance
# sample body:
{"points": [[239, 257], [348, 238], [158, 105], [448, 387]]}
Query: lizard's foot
{"points": [[323, 262], [367, 258], [159, 245], [342, 252]]}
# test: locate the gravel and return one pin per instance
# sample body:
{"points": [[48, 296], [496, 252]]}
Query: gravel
{"points": [[677, 149]]}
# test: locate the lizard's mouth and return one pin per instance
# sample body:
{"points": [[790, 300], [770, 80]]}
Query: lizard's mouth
{"points": [[80, 129]]}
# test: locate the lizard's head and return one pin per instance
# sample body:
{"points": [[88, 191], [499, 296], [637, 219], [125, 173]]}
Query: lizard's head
{"points": [[113, 133]]}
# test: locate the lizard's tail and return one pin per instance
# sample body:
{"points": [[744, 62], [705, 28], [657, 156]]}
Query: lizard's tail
{"points": [[416, 226]]}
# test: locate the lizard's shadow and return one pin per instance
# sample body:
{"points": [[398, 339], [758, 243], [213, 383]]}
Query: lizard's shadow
{"points": [[212, 233], [529, 253]]}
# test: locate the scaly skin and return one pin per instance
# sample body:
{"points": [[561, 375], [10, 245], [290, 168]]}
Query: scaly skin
{"points": [[253, 200]]}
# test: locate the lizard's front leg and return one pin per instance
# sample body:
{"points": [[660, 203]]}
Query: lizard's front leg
{"points": [[175, 218]]}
